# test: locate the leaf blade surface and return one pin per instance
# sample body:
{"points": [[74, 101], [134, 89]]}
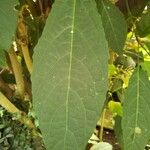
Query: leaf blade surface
{"points": [[70, 61], [8, 17], [2, 58], [136, 120], [114, 25]]}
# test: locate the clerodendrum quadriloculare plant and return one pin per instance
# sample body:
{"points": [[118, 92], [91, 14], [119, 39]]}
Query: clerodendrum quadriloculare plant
{"points": [[86, 56]]}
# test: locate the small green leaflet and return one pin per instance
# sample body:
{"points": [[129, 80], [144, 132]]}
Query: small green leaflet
{"points": [[114, 25], [69, 79], [136, 112], [8, 18]]}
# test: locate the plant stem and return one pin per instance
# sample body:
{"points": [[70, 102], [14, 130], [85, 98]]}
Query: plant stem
{"points": [[27, 57], [102, 125], [23, 40], [20, 91], [140, 44], [5, 103]]}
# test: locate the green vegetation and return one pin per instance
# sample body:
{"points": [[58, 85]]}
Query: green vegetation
{"points": [[72, 68]]}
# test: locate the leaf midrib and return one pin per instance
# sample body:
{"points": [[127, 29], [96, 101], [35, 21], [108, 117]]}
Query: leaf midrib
{"points": [[70, 63], [110, 23], [137, 102]]}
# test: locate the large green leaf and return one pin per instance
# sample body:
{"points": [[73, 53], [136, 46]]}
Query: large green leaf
{"points": [[8, 18], [143, 26], [70, 74], [114, 25], [136, 111]]}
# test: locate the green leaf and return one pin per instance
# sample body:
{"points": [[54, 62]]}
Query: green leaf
{"points": [[8, 18], [2, 58], [114, 25], [118, 130], [146, 67], [117, 84], [112, 70], [115, 108], [136, 110], [70, 74], [143, 26]]}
